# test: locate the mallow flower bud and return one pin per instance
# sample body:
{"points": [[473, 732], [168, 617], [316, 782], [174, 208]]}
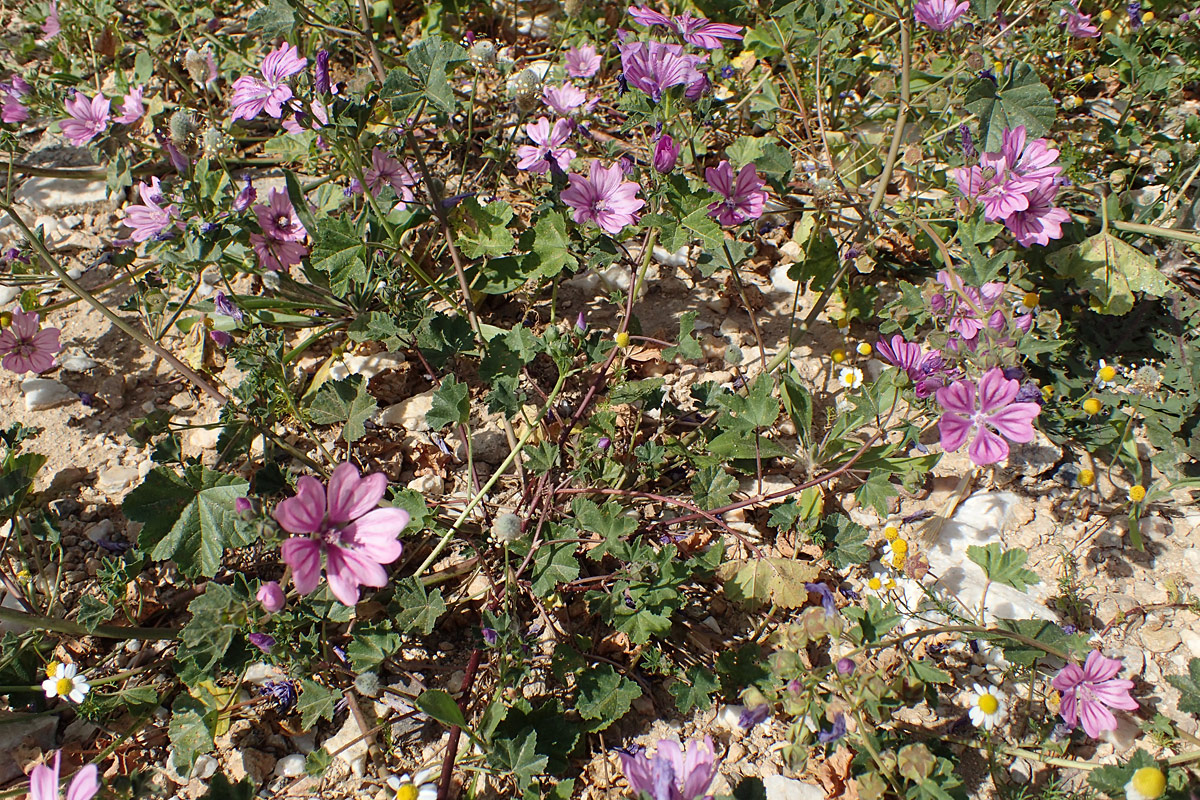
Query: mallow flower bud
{"points": [[271, 596], [666, 153]]}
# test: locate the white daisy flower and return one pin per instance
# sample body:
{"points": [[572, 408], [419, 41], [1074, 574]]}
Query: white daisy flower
{"points": [[418, 786], [987, 707], [879, 584], [1148, 783], [895, 547], [1106, 376], [850, 377], [65, 681]]}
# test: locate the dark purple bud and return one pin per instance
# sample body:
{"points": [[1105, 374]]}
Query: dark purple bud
{"points": [[626, 163], [752, 716], [224, 306], [969, 153], [262, 641], [666, 153], [490, 636], [245, 197], [794, 686], [220, 338], [581, 322], [354, 188], [469, 37], [86, 399], [451, 202], [1135, 15], [208, 227], [727, 72], [241, 505], [1029, 392], [836, 732], [845, 666], [603, 444], [321, 72], [1014, 373]]}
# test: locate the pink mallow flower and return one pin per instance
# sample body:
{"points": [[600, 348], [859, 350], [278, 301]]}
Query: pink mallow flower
{"points": [[1089, 692], [344, 523], [985, 412], [12, 100], [697, 31], [26, 348], [654, 67], [150, 218], [51, 27], [276, 255], [672, 773], [582, 62], [743, 196], [87, 118], [252, 96], [603, 197], [278, 218], [132, 107], [940, 15], [1080, 25], [43, 782], [387, 171], [1042, 221], [547, 145], [567, 100]]}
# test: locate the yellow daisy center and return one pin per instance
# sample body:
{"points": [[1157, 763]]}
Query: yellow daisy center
{"points": [[900, 547], [1137, 493], [988, 704], [891, 533], [864, 349], [1107, 373], [898, 560], [1106, 15], [875, 584], [838, 355], [1092, 406], [1086, 477], [622, 339], [1149, 782], [64, 686], [408, 791], [1030, 300], [869, 20], [1148, 16]]}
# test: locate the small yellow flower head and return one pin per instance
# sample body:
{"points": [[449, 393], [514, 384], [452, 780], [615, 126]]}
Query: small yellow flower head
{"points": [[1092, 406], [898, 560], [1088, 77], [891, 533], [622, 339], [838, 355], [869, 21], [1087, 477], [52, 669], [1072, 102], [5, 319], [1107, 373], [900, 547], [998, 66], [1148, 17], [24, 576], [1047, 392], [1148, 783], [1137, 494], [1031, 300], [864, 349], [1106, 15], [870, 52], [843, 322]]}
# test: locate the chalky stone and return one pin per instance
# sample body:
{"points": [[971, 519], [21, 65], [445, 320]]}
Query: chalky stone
{"points": [[43, 393]]}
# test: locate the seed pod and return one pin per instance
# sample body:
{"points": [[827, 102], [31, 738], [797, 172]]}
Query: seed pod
{"points": [[184, 132], [483, 54]]}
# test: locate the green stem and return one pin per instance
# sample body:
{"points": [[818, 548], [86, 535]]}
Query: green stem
{"points": [[76, 629]]}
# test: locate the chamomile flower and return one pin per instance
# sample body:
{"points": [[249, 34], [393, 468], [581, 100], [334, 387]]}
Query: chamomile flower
{"points": [[850, 377], [879, 584], [1106, 375], [418, 786], [895, 551], [64, 680], [1137, 494], [863, 348], [987, 707], [1147, 783]]}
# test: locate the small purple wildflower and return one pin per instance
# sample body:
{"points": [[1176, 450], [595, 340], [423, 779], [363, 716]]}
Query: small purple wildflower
{"points": [[490, 636], [281, 694], [753, 715], [224, 306], [836, 732], [826, 595], [262, 641]]}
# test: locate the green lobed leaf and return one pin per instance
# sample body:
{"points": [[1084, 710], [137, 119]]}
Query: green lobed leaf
{"points": [[695, 692], [848, 540], [554, 565], [450, 405], [1111, 779], [345, 401], [189, 518], [316, 702], [92, 612], [758, 581], [415, 608], [549, 246], [1189, 688], [519, 758], [431, 60], [340, 252], [189, 734], [275, 19], [688, 347], [1005, 566], [1020, 99], [485, 233], [605, 695], [1111, 271]]}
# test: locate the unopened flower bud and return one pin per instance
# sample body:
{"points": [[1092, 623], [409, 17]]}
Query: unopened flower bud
{"points": [[183, 130], [506, 528], [666, 153], [321, 72], [245, 197], [483, 54], [845, 666], [269, 594]]}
